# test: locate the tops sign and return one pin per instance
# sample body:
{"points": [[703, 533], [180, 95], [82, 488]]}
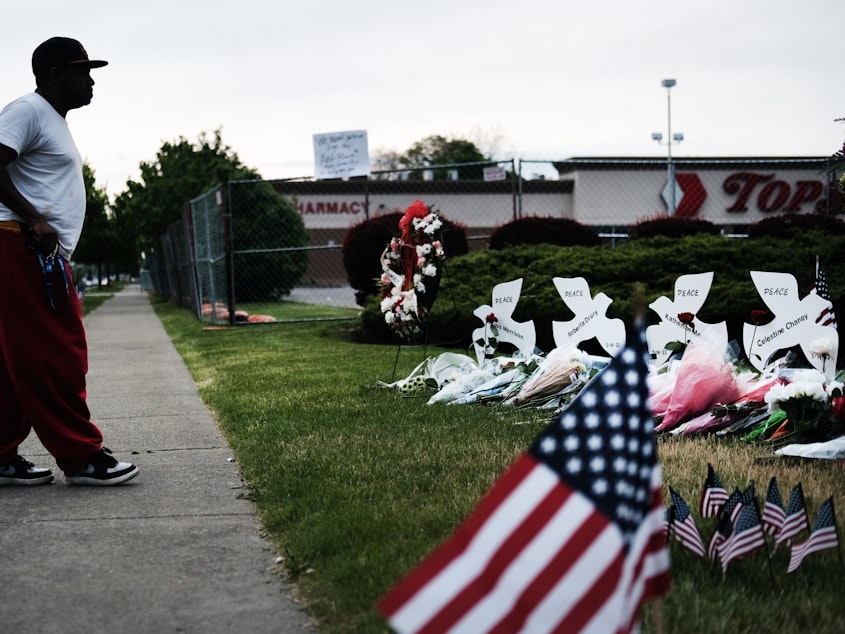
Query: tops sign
{"points": [[755, 191], [772, 195]]}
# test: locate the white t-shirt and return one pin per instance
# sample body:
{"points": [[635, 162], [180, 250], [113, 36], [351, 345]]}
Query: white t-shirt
{"points": [[48, 170]]}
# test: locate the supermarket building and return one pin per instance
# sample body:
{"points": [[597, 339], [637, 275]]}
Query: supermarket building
{"points": [[601, 192]]}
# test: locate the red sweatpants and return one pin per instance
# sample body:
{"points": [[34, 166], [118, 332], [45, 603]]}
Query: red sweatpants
{"points": [[43, 361]]}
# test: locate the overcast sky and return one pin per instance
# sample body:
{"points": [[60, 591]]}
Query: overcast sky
{"points": [[532, 79]]}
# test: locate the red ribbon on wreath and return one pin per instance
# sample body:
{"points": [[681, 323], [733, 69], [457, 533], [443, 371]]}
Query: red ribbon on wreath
{"points": [[417, 209]]}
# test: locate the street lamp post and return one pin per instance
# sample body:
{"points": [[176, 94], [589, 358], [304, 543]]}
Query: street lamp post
{"points": [[670, 140]]}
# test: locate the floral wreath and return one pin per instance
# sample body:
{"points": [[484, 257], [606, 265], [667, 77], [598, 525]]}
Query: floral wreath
{"points": [[410, 264]]}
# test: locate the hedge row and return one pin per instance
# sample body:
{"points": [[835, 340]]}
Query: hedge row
{"points": [[653, 263]]}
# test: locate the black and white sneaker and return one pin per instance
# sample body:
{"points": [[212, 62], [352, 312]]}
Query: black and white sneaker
{"points": [[103, 470], [21, 472]]}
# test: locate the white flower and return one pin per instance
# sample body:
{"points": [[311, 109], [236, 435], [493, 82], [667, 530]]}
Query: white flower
{"points": [[834, 389], [808, 376], [387, 304], [812, 390], [434, 227], [423, 249], [430, 270], [389, 317], [775, 396], [822, 347], [409, 303]]}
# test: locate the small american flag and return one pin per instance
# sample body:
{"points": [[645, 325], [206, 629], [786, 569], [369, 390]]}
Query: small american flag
{"points": [[827, 316], [747, 537], [723, 530], [773, 514], [822, 536], [796, 516], [683, 525], [737, 501], [570, 539], [668, 520], [713, 496]]}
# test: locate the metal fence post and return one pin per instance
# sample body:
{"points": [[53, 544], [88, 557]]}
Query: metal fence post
{"points": [[226, 213]]}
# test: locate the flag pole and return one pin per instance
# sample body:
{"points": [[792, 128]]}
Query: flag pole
{"points": [[657, 612], [838, 541], [766, 543]]}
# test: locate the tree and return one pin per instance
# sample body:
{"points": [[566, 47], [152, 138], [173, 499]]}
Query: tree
{"points": [[181, 171], [266, 233], [98, 244], [432, 151]]}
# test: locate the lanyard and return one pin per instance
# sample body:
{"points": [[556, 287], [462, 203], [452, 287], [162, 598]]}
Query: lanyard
{"points": [[55, 259]]}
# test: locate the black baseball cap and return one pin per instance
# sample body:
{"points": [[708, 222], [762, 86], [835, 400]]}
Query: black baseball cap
{"points": [[61, 51]]}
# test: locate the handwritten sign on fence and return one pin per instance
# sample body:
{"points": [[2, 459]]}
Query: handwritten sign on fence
{"points": [[341, 154]]}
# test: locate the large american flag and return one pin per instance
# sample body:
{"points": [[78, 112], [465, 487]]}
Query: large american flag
{"points": [[570, 539], [822, 536], [827, 317]]}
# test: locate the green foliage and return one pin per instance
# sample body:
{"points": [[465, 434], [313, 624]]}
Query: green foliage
{"points": [[794, 226], [653, 263], [263, 219], [98, 243], [181, 171], [439, 150], [563, 232], [365, 241], [672, 227]]}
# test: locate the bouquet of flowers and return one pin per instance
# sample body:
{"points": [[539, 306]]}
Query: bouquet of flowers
{"points": [[807, 408], [411, 266]]}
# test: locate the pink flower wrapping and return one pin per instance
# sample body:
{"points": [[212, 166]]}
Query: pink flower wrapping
{"points": [[704, 380]]}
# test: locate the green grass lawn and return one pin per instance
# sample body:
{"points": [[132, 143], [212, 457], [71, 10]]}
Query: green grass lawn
{"points": [[355, 484], [95, 297]]}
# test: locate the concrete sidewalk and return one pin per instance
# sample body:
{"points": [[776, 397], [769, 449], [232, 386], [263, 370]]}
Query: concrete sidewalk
{"points": [[177, 549]]}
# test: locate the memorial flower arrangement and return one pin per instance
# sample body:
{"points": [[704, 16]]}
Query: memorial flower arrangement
{"points": [[411, 266], [807, 408]]}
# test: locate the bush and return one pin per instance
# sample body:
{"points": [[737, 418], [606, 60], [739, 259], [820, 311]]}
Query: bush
{"points": [[787, 226], [264, 219], [563, 232], [672, 227], [365, 242], [654, 263]]}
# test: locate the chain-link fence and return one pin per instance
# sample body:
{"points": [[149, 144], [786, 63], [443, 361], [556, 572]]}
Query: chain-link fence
{"points": [[255, 251]]}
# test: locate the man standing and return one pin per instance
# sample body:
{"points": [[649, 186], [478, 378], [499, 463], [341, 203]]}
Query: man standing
{"points": [[43, 351]]}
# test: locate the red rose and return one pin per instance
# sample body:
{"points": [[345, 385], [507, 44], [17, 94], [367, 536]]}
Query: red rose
{"points": [[686, 318], [758, 315], [492, 319]]}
